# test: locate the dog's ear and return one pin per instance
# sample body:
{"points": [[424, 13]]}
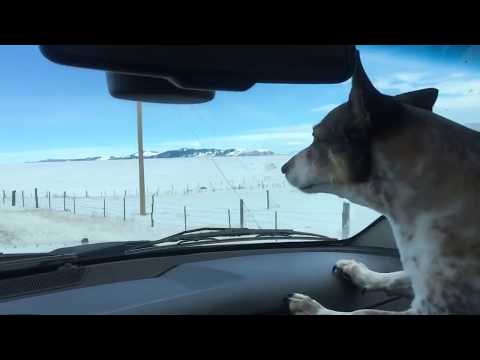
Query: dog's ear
{"points": [[424, 98], [363, 95]]}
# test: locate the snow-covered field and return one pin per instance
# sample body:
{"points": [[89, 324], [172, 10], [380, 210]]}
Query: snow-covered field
{"points": [[206, 187]]}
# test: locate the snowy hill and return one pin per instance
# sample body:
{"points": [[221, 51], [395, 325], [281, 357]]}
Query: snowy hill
{"points": [[80, 159], [180, 153], [249, 153], [192, 153]]}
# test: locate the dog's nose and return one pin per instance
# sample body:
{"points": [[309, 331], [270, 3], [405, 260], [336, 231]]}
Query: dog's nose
{"points": [[287, 166]]}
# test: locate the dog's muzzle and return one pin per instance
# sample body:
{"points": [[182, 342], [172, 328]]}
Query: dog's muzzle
{"points": [[287, 166]]}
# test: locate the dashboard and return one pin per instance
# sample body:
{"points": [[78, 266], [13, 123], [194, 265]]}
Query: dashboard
{"points": [[222, 282]]}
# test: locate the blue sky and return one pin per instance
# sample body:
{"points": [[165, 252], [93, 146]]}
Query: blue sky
{"points": [[53, 111]]}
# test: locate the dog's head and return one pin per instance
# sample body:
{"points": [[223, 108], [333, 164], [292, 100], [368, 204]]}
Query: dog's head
{"points": [[341, 152]]}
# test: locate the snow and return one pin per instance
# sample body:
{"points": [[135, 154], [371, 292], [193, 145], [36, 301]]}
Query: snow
{"points": [[206, 186], [43, 230], [178, 153], [243, 152], [236, 152], [147, 153]]}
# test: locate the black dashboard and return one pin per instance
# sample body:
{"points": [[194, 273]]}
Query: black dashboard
{"points": [[225, 281]]}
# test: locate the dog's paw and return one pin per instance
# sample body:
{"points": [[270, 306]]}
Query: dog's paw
{"points": [[300, 304], [358, 274]]}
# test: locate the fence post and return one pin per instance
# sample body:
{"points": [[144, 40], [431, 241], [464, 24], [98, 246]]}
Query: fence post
{"points": [[268, 200], [49, 203], [23, 199], [64, 201], [86, 194], [185, 217], [13, 197], [276, 223], [4, 196], [124, 214], [74, 211], [125, 194], [36, 198], [345, 220], [104, 207], [241, 213], [151, 214], [229, 222]]}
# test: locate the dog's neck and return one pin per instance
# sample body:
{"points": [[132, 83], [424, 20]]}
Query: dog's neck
{"points": [[430, 167]]}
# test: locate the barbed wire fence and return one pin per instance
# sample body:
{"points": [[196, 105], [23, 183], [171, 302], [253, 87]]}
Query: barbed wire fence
{"points": [[124, 205]]}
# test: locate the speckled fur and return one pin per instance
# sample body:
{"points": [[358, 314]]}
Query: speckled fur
{"points": [[423, 172]]}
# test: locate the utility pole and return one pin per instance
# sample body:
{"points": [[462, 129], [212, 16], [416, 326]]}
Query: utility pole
{"points": [[140, 158]]}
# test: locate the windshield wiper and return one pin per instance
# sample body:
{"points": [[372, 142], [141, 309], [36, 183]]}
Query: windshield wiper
{"points": [[65, 256], [102, 251], [36, 262], [218, 235]]}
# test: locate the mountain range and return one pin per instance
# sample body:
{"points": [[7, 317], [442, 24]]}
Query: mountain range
{"points": [[179, 153]]}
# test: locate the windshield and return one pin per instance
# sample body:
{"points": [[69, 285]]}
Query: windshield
{"points": [[69, 153]]}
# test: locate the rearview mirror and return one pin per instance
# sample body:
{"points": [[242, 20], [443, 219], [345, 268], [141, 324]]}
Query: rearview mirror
{"points": [[207, 67]]}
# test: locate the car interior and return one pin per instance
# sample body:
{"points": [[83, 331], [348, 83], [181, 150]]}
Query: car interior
{"points": [[249, 278], [221, 279]]}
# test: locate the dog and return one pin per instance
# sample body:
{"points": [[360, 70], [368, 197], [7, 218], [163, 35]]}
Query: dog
{"points": [[393, 154]]}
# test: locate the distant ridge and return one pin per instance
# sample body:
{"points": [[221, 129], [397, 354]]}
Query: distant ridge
{"points": [[180, 153]]}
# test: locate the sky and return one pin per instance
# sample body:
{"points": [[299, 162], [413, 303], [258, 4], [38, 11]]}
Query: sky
{"points": [[53, 111]]}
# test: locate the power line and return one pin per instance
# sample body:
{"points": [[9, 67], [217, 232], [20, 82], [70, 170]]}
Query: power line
{"points": [[223, 174]]}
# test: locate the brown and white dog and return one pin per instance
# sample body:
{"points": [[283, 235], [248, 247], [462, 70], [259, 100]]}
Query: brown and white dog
{"points": [[394, 155]]}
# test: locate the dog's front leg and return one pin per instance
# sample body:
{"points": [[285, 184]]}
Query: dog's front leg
{"points": [[394, 283], [300, 304]]}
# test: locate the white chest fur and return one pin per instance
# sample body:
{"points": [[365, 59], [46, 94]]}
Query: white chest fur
{"points": [[442, 283], [419, 253]]}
